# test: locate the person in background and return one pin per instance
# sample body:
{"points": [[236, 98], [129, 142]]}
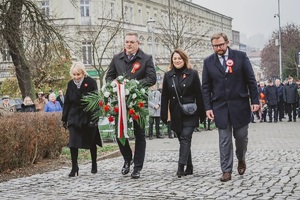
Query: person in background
{"points": [[61, 98], [5, 107], [290, 97], [280, 107], [186, 81], [134, 64], [83, 132], [154, 99], [271, 100], [28, 105], [52, 105], [262, 102], [40, 102], [230, 95]]}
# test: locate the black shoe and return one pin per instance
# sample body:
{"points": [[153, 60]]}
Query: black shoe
{"points": [[275, 121], [188, 170], [94, 168], [294, 120], [150, 138], [170, 136], [126, 167], [159, 136], [289, 120], [180, 171], [269, 121], [135, 174], [74, 171]]}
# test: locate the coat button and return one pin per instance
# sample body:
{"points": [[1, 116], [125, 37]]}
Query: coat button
{"points": [[183, 85], [181, 97], [173, 97]]}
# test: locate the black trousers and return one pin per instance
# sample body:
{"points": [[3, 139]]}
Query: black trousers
{"points": [[185, 140], [140, 147], [153, 120], [270, 110], [280, 110], [291, 108]]}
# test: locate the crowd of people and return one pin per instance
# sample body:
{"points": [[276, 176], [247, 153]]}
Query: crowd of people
{"points": [[229, 96]]}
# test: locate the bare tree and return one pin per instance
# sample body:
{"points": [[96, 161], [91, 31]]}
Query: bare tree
{"points": [[22, 25], [290, 41]]}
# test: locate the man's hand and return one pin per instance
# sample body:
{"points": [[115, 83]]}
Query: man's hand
{"points": [[254, 107], [210, 114], [65, 125]]}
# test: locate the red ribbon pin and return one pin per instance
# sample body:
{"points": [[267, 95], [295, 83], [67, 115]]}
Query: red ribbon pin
{"points": [[135, 67], [229, 64]]}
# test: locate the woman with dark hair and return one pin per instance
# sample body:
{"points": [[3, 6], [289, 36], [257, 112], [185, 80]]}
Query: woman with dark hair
{"points": [[181, 85], [84, 133]]}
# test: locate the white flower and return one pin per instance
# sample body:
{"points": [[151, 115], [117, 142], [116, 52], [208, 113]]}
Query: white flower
{"points": [[113, 84], [134, 96], [103, 88], [126, 92], [120, 78], [106, 94], [115, 89], [126, 80], [143, 91]]}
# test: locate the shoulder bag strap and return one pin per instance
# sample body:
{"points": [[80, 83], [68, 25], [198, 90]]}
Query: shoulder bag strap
{"points": [[176, 92]]}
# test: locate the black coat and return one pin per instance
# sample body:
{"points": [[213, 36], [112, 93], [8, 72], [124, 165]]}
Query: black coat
{"points": [[28, 108], [121, 65], [60, 101], [229, 94], [189, 91], [290, 93], [77, 118], [271, 95]]}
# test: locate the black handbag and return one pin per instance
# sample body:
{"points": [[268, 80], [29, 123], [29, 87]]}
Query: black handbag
{"points": [[187, 108]]}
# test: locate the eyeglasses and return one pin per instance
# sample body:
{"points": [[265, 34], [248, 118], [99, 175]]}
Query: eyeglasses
{"points": [[218, 45]]}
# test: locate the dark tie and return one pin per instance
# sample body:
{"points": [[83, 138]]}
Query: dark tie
{"points": [[224, 62], [130, 57]]}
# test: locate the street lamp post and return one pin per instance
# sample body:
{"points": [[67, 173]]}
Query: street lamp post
{"points": [[279, 41], [151, 24]]}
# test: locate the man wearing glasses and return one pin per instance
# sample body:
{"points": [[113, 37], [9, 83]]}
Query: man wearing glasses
{"points": [[230, 96], [133, 63]]}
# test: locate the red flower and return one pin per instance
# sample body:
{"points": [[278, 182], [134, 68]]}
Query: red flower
{"points": [[85, 85], [106, 108], [116, 109], [101, 103], [110, 118], [141, 104], [131, 111], [136, 117]]}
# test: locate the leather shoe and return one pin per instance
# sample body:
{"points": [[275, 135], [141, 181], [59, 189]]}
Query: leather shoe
{"points": [[225, 177], [241, 167], [135, 174], [126, 167]]}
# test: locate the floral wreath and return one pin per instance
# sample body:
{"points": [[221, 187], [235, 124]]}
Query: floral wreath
{"points": [[114, 95]]}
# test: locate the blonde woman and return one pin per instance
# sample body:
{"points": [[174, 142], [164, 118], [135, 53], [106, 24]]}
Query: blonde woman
{"points": [[28, 105], [83, 133]]}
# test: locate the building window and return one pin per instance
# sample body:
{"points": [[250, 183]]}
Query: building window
{"points": [[140, 17], [112, 6], [45, 8], [85, 8], [86, 53], [5, 55]]}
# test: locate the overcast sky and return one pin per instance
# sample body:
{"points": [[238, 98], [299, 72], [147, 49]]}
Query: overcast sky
{"points": [[255, 16]]}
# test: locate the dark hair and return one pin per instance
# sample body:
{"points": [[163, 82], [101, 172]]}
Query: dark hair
{"points": [[219, 35], [184, 57]]}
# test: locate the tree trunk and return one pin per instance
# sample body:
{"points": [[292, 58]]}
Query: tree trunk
{"points": [[13, 37]]}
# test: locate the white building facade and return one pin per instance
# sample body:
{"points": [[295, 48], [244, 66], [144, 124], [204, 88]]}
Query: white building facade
{"points": [[88, 26]]}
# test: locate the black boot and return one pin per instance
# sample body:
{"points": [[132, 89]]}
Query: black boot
{"points": [[169, 130], [75, 168], [180, 171], [189, 166], [93, 151]]}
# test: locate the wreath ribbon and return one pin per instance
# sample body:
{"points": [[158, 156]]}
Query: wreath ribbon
{"points": [[122, 119]]}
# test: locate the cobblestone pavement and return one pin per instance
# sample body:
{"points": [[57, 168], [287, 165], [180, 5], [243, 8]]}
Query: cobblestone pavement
{"points": [[273, 172]]}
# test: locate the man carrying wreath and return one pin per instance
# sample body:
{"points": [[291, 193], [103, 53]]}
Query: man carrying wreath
{"points": [[133, 63], [230, 95]]}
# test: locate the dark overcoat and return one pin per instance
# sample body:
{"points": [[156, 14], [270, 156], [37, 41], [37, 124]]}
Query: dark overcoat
{"points": [[290, 93], [83, 132], [228, 94], [189, 91], [122, 66], [271, 95]]}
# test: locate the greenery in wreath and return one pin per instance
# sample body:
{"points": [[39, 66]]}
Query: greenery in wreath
{"points": [[108, 103]]}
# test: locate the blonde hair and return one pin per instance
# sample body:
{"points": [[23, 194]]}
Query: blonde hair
{"points": [[78, 67], [27, 101], [184, 56]]}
